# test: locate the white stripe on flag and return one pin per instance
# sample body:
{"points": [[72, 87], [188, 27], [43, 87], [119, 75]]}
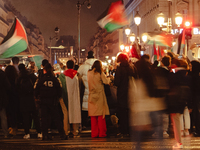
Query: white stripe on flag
{"points": [[10, 42], [104, 21]]}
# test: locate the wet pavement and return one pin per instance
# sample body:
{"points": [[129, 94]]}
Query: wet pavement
{"points": [[85, 142]]}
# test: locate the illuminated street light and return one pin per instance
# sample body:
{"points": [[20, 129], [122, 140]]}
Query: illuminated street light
{"points": [[160, 20], [127, 48], [122, 47], [109, 61], [132, 38], [187, 23], [144, 38], [137, 20], [178, 19], [127, 31], [113, 58]]}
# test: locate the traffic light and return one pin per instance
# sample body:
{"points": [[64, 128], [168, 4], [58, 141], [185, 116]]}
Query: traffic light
{"points": [[188, 29]]}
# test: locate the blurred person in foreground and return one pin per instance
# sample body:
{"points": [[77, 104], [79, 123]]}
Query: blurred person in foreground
{"points": [[162, 89], [145, 105], [4, 91], [24, 84], [121, 80], [178, 97], [83, 70], [49, 90], [71, 104], [97, 102]]}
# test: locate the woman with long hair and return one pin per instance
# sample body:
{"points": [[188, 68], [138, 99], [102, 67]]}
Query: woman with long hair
{"points": [[97, 102]]}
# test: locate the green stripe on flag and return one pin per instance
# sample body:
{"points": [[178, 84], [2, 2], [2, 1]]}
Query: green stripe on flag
{"points": [[112, 26], [18, 47]]}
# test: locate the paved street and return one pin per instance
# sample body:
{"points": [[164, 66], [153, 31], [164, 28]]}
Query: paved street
{"points": [[87, 143]]}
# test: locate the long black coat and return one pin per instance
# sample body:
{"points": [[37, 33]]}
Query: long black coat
{"points": [[27, 101], [4, 88], [180, 86], [123, 72]]}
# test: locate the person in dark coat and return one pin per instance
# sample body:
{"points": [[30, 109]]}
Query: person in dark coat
{"points": [[13, 104], [179, 97], [144, 70], [4, 89], [161, 74], [195, 114], [49, 90], [121, 80], [24, 84]]}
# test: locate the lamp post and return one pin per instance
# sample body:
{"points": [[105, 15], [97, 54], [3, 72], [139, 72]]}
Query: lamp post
{"points": [[160, 20], [127, 32], [113, 58], [132, 38], [137, 20], [122, 47], [144, 38], [78, 5], [178, 20], [56, 30]]}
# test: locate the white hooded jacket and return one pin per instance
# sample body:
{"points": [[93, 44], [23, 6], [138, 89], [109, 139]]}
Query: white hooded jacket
{"points": [[83, 70]]}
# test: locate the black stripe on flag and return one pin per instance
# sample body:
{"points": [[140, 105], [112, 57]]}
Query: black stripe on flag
{"points": [[10, 33]]}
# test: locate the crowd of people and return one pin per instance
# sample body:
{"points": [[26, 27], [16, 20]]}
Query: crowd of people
{"points": [[147, 96]]}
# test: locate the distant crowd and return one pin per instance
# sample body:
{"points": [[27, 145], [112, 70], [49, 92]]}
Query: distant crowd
{"points": [[131, 96]]}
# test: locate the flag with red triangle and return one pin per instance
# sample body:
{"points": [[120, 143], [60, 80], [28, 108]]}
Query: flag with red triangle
{"points": [[155, 53], [114, 17], [15, 41], [161, 52], [134, 52]]}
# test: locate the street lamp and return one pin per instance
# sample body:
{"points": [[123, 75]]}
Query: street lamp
{"points": [[132, 38], [137, 20], [178, 19], [78, 5], [113, 58], [122, 47], [56, 30], [160, 20], [144, 38], [127, 32]]}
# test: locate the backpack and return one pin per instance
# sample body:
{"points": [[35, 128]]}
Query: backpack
{"points": [[26, 86]]}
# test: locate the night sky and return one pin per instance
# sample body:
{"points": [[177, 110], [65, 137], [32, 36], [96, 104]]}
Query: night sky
{"points": [[47, 14]]}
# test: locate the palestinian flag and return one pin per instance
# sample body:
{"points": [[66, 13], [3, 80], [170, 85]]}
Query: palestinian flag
{"points": [[155, 54], [114, 17], [134, 52], [15, 41], [181, 42]]}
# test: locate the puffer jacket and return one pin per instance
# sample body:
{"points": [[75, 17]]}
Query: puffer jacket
{"points": [[83, 70]]}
